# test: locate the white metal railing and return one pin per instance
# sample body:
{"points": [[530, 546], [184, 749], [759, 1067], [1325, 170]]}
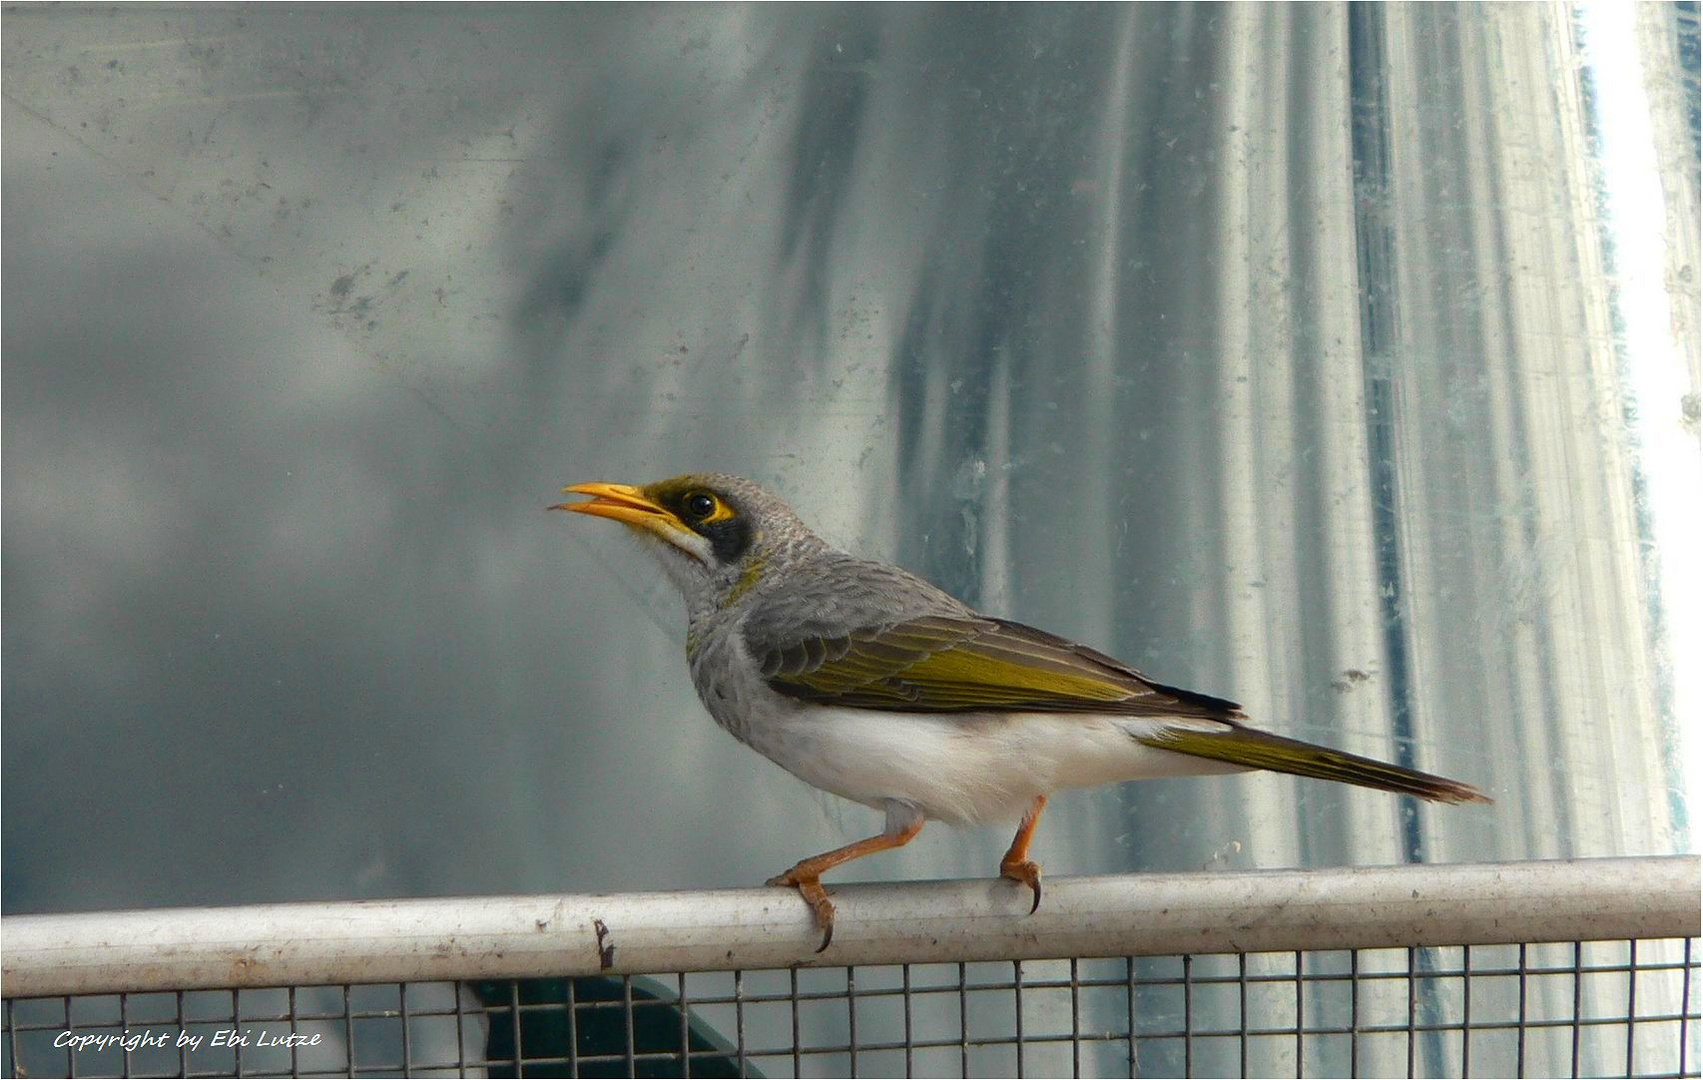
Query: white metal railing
{"points": [[1305, 916], [921, 922]]}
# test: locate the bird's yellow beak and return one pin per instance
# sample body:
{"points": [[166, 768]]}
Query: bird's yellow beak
{"points": [[623, 502], [632, 507]]}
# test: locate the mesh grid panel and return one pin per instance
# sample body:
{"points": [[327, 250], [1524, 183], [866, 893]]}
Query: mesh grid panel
{"points": [[1618, 1008]]}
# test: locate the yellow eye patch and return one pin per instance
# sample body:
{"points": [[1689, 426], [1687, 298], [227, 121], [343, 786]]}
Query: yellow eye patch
{"points": [[704, 508], [691, 500], [721, 512]]}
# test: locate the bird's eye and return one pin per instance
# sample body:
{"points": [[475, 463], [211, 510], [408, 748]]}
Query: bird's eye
{"points": [[700, 504]]}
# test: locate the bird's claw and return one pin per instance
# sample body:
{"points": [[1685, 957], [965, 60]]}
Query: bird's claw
{"points": [[1029, 873], [817, 897]]}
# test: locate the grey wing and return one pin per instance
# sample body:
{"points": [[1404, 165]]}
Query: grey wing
{"points": [[874, 636]]}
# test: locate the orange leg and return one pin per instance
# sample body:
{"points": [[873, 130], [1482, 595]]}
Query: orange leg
{"points": [[807, 874], [1017, 865]]}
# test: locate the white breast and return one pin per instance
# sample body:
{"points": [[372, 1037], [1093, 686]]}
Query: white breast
{"points": [[958, 767]]}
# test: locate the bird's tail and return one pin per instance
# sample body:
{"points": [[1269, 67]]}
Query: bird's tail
{"points": [[1253, 749]]}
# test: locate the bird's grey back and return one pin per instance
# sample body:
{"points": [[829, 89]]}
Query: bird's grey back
{"points": [[830, 593]]}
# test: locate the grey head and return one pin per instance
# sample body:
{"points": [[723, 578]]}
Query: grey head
{"points": [[716, 536], [740, 556]]}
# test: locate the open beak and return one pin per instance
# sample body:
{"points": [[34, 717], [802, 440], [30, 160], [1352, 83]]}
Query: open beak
{"points": [[623, 502], [629, 506]]}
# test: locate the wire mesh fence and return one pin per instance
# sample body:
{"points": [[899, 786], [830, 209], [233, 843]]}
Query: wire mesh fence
{"points": [[1627, 1006], [1624, 1008]]}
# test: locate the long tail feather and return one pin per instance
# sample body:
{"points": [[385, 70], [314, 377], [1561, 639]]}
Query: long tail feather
{"points": [[1259, 750]]}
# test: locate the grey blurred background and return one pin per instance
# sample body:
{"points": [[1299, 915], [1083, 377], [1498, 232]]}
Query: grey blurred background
{"points": [[1341, 360]]}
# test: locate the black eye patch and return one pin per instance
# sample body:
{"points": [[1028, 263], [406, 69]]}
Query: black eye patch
{"points": [[729, 537]]}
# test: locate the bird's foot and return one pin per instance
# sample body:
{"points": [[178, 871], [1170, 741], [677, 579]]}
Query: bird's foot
{"points": [[1028, 872], [816, 896]]}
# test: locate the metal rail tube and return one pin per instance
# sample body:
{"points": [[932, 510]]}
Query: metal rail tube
{"points": [[1147, 914]]}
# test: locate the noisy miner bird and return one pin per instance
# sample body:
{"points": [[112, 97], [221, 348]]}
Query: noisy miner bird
{"points": [[866, 681]]}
